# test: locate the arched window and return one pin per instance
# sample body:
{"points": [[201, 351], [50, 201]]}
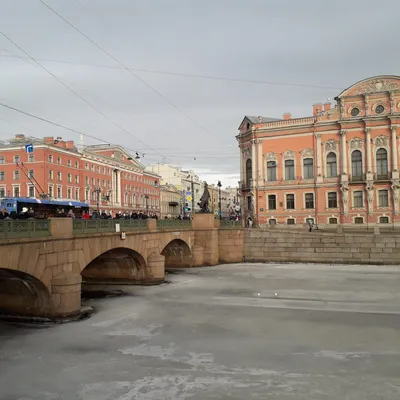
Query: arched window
{"points": [[331, 165], [271, 171], [308, 168], [249, 173], [356, 165], [289, 170], [381, 164]]}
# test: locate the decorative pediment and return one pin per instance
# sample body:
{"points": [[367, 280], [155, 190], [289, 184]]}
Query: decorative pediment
{"points": [[307, 153], [288, 155], [331, 145], [377, 85], [356, 143], [246, 152], [381, 140], [270, 156]]}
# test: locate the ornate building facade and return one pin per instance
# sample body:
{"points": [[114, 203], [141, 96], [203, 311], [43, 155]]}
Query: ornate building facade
{"points": [[339, 166], [104, 176]]}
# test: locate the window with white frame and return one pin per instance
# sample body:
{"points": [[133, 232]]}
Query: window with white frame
{"points": [[31, 191], [383, 220], [309, 200], [308, 168], [356, 165], [2, 175], [69, 163], [16, 159], [2, 160], [271, 171], [69, 178], [358, 201], [50, 158], [31, 158], [50, 191], [381, 164], [16, 175], [31, 173], [59, 192], [69, 193], [59, 160], [332, 221], [76, 194], [290, 202], [271, 202], [51, 174], [332, 200], [383, 198], [289, 170], [59, 176], [16, 191], [331, 165], [358, 220], [291, 221], [2, 191], [76, 178]]}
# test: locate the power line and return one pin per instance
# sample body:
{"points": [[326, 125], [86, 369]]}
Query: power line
{"points": [[187, 75], [74, 91], [130, 71]]}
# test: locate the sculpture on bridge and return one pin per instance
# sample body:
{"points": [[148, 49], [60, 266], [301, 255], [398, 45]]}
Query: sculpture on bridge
{"points": [[204, 199]]}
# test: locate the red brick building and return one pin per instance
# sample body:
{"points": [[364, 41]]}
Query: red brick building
{"points": [[104, 176], [338, 166]]}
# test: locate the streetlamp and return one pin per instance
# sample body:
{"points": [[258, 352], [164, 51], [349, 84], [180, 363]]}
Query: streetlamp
{"points": [[219, 197], [97, 191]]}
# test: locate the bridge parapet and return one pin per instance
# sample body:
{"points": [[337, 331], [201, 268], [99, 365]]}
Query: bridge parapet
{"points": [[29, 228]]}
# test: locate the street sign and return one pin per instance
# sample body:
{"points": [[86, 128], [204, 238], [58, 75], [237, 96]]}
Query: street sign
{"points": [[29, 148], [189, 198]]}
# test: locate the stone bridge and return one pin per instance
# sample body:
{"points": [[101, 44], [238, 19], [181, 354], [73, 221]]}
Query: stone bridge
{"points": [[42, 276]]}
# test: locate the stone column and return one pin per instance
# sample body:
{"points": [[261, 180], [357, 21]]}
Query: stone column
{"points": [[366, 105], [394, 148], [242, 171], [368, 149], [253, 162], [260, 167], [206, 236], [392, 103], [343, 154], [319, 157]]}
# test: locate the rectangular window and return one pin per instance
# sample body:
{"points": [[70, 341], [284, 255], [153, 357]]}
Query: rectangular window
{"points": [[50, 174], [98, 169], [76, 164], [16, 175], [76, 178], [59, 176], [2, 160], [31, 158], [289, 170], [358, 199], [69, 193], [290, 201], [16, 191], [382, 220], [2, 192], [383, 198], [2, 175], [16, 159], [93, 182], [271, 202], [50, 191], [290, 221], [332, 221], [308, 167], [309, 198], [59, 160], [69, 163], [358, 220], [92, 167], [86, 166], [332, 200], [76, 194], [271, 171], [87, 180], [50, 158], [31, 173], [69, 178], [59, 193], [31, 191]]}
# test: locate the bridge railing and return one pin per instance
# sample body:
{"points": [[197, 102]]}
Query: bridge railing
{"points": [[231, 225], [83, 226], [173, 224], [28, 228]]}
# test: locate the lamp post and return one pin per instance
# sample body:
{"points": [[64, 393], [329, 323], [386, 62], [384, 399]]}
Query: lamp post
{"points": [[219, 198], [97, 191]]}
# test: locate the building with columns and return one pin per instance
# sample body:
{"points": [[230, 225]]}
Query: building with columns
{"points": [[338, 166], [104, 176]]}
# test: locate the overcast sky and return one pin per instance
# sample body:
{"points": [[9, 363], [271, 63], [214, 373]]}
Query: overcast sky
{"points": [[330, 45]]}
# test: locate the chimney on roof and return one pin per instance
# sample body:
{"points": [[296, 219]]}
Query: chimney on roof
{"points": [[20, 136], [317, 108], [69, 144], [48, 139], [327, 106], [287, 116]]}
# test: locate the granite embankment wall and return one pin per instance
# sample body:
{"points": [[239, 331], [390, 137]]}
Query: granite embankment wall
{"points": [[291, 246]]}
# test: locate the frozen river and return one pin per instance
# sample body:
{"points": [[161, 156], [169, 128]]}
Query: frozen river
{"points": [[245, 331]]}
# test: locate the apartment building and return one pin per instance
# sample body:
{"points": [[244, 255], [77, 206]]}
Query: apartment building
{"points": [[338, 166], [105, 176]]}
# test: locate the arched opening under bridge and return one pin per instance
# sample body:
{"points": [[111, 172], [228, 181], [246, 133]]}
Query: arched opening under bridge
{"points": [[177, 255], [22, 294]]}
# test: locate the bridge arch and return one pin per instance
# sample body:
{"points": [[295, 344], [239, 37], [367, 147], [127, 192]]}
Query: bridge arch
{"points": [[177, 254], [120, 264], [23, 294]]}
